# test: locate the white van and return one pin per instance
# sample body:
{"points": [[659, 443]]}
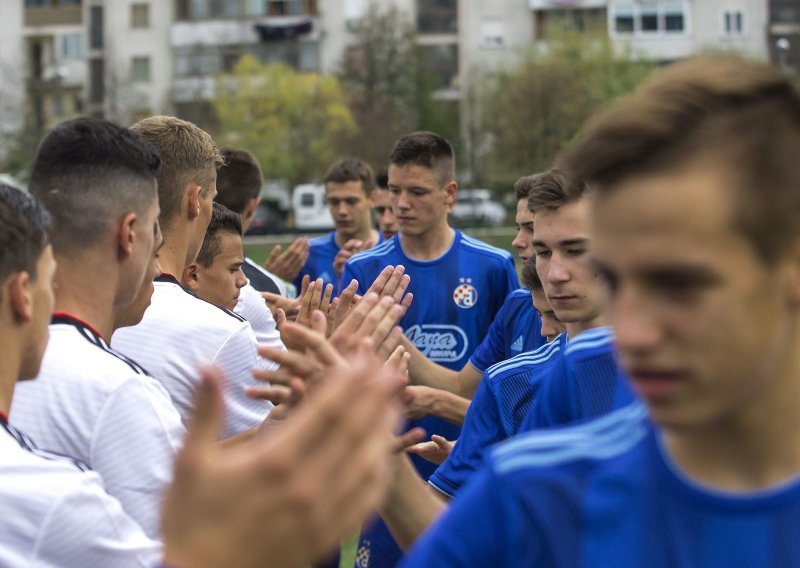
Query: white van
{"points": [[311, 208]]}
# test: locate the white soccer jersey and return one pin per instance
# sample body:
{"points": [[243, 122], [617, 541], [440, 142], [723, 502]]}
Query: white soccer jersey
{"points": [[252, 307], [94, 405], [55, 515], [180, 333]]}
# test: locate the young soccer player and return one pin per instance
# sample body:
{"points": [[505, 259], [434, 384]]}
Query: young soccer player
{"points": [[180, 331], [90, 402], [514, 330], [238, 188], [239, 182], [459, 283], [696, 226], [348, 185], [216, 274]]}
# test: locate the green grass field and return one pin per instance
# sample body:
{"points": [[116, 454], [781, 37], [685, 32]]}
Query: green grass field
{"points": [[258, 248]]}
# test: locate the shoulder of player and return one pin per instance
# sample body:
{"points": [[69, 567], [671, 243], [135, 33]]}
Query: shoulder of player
{"points": [[180, 308], [590, 342], [585, 445], [483, 249], [519, 295], [322, 240], [524, 361], [375, 253], [71, 352], [34, 477]]}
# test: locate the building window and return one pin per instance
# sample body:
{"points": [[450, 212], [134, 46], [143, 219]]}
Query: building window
{"points": [[140, 15], [733, 23], [648, 16], [651, 18], [140, 69], [623, 19], [96, 27], [72, 46], [441, 62], [183, 10], [58, 106], [97, 84], [437, 16], [784, 12], [673, 17]]}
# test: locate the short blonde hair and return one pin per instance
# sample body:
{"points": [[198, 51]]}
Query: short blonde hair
{"points": [[188, 155]]}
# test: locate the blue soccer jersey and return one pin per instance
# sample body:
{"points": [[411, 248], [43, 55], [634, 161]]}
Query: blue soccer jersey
{"points": [[456, 298], [321, 253], [516, 329], [592, 384], [606, 493], [496, 412]]}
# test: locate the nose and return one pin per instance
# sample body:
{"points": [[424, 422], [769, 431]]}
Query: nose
{"points": [[241, 279], [402, 201], [549, 329], [636, 323], [557, 270], [518, 241]]}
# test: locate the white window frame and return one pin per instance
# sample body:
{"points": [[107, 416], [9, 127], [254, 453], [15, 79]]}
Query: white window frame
{"points": [[637, 10]]}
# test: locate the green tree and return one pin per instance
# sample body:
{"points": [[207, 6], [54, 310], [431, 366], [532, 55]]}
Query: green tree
{"points": [[381, 71], [534, 109], [293, 122]]}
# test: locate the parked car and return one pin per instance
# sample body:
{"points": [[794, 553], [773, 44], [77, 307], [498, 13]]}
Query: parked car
{"points": [[267, 219], [476, 207]]}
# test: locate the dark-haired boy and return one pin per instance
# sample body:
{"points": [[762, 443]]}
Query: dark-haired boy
{"points": [[216, 274], [90, 402], [348, 185], [459, 283]]}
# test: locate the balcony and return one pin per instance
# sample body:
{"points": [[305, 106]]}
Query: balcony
{"points": [[54, 15]]}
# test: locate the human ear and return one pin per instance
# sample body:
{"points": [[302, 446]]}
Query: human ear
{"points": [[190, 277], [193, 192], [125, 235], [18, 290]]}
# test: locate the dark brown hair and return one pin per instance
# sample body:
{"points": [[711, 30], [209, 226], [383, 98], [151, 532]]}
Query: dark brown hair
{"points": [[351, 169], [426, 149]]}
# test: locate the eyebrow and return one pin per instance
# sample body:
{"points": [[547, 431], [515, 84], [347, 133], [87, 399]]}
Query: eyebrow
{"points": [[564, 243]]}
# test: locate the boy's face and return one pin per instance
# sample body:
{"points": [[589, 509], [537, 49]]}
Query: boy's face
{"points": [[382, 205], [551, 325], [523, 240], [221, 281], [349, 207], [561, 241], [419, 201], [701, 322]]}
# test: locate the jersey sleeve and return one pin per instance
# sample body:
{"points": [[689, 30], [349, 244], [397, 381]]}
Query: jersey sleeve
{"points": [[135, 439], [353, 271], [237, 358], [253, 308], [87, 527], [554, 404], [493, 348], [482, 428], [482, 527]]}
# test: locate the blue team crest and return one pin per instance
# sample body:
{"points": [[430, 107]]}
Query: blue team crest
{"points": [[465, 295], [439, 342]]}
